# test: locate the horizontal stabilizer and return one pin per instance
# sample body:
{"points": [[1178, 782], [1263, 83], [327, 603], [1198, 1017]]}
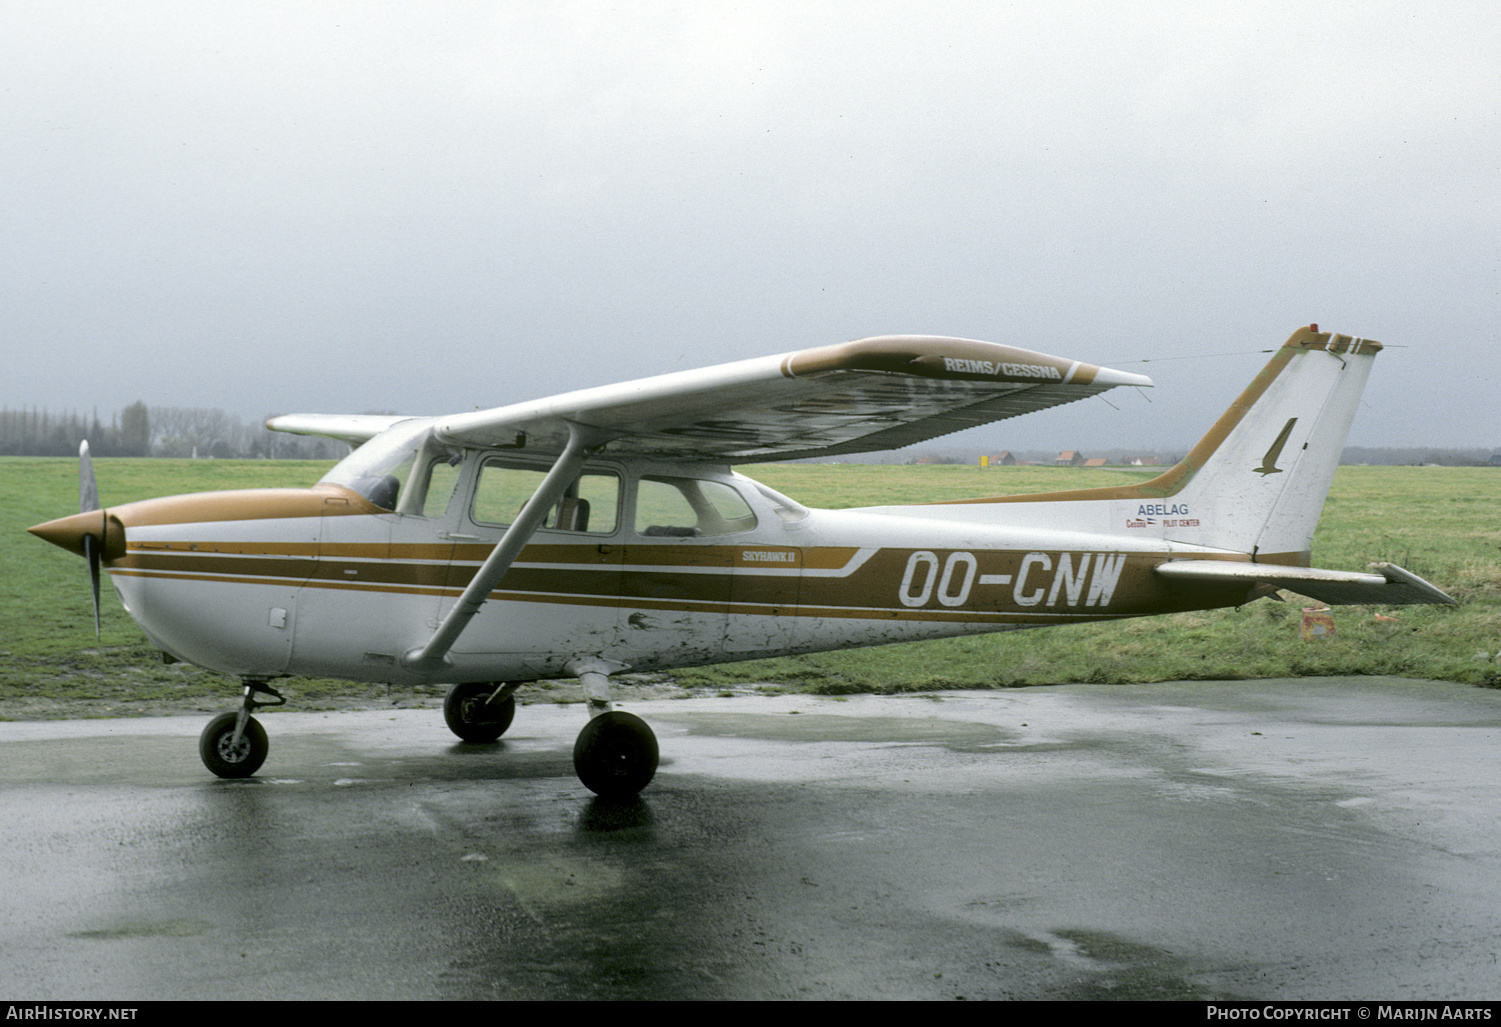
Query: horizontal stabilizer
{"points": [[1387, 585]]}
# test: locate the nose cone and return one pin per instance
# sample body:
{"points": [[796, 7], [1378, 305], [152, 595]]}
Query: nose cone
{"points": [[68, 532]]}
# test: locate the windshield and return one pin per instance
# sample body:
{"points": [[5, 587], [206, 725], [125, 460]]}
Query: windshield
{"points": [[380, 469]]}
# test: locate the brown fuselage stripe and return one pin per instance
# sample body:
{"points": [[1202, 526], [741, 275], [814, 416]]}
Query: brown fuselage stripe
{"points": [[997, 582], [713, 607]]}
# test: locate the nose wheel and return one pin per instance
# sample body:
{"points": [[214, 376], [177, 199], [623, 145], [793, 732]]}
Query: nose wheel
{"points": [[234, 744], [230, 750], [480, 711]]}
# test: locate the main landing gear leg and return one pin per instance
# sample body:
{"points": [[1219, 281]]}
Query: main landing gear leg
{"points": [[235, 744], [616, 753]]}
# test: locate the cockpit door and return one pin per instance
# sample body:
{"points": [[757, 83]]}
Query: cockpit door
{"points": [[560, 597], [380, 575]]}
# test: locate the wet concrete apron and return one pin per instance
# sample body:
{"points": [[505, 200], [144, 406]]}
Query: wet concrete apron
{"points": [[1316, 839]]}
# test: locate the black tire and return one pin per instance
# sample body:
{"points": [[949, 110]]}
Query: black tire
{"points": [[469, 717], [616, 754], [226, 759]]}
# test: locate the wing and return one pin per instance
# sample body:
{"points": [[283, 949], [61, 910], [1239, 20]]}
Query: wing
{"points": [[355, 429], [872, 394]]}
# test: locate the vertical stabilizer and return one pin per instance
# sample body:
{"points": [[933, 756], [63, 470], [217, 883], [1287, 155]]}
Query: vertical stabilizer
{"points": [[1257, 481]]}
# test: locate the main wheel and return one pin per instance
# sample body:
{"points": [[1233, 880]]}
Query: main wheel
{"points": [[228, 758], [473, 719], [616, 754]]}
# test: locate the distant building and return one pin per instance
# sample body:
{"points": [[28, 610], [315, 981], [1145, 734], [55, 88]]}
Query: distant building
{"points": [[1005, 459], [1070, 458], [1096, 461]]}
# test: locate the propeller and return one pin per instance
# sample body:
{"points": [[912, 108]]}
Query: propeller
{"points": [[92, 533], [88, 502]]}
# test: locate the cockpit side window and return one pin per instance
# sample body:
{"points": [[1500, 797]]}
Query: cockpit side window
{"points": [[429, 491]]}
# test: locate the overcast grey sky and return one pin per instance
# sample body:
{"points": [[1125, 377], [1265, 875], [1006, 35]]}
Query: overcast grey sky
{"points": [[431, 207]]}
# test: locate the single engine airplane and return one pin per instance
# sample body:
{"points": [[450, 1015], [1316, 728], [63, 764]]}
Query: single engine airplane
{"points": [[603, 530]]}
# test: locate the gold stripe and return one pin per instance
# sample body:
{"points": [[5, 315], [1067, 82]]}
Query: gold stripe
{"points": [[925, 356], [245, 505], [227, 579], [303, 549]]}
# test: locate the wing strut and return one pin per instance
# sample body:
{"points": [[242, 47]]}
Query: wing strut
{"points": [[434, 654]]}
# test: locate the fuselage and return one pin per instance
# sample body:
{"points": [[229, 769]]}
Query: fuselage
{"points": [[669, 565]]}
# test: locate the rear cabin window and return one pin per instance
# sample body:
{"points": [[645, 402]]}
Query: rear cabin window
{"points": [[689, 508], [591, 504]]}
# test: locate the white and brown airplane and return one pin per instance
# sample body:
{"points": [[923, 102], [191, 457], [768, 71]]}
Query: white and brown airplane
{"points": [[603, 530]]}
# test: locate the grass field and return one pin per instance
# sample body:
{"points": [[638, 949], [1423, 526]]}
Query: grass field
{"points": [[1441, 523]]}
